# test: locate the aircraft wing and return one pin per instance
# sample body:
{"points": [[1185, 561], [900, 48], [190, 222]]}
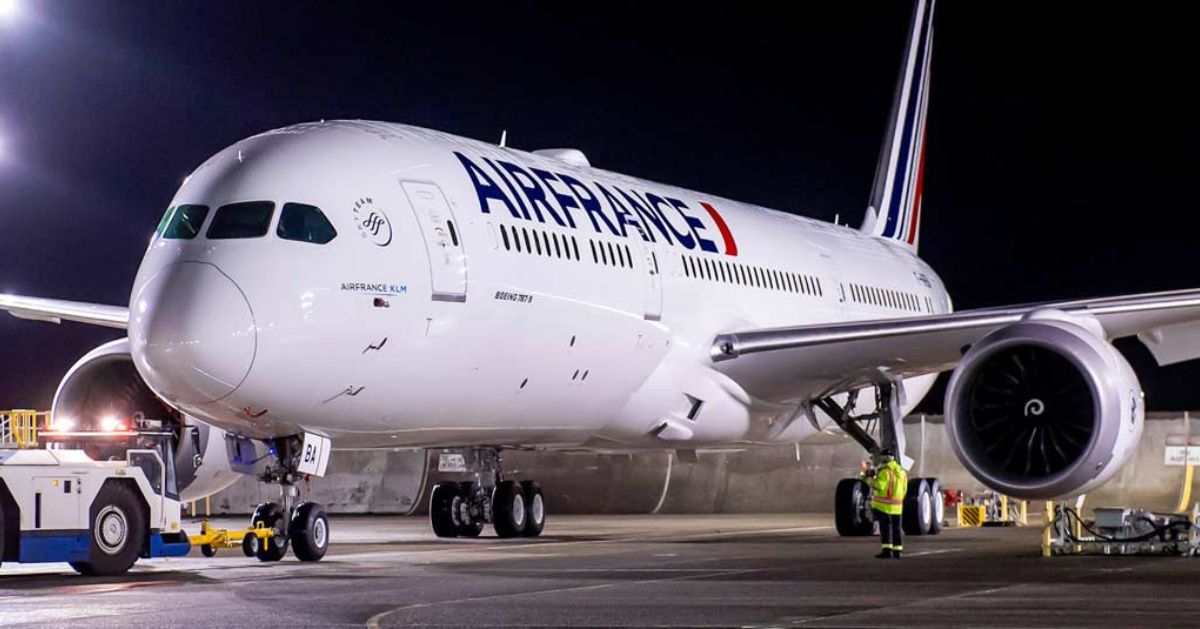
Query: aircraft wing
{"points": [[850, 355], [58, 310]]}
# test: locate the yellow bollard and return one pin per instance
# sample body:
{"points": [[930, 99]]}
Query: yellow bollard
{"points": [[1185, 492]]}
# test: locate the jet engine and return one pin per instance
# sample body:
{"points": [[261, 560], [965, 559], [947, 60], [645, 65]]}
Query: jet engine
{"points": [[104, 392], [1044, 408]]}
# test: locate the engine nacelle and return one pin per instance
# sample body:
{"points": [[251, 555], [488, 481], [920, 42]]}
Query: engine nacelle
{"points": [[1044, 408], [105, 383]]}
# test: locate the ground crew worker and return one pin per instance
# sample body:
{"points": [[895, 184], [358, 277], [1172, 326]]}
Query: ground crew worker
{"points": [[887, 503]]}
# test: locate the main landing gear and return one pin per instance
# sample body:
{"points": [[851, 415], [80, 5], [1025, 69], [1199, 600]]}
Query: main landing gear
{"points": [[923, 505], [462, 508], [300, 525]]}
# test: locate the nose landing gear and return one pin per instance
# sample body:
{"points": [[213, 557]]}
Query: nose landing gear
{"points": [[461, 509], [302, 525]]}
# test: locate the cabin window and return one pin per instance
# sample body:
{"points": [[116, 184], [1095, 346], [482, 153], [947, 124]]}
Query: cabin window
{"points": [[185, 222], [249, 219], [304, 223]]}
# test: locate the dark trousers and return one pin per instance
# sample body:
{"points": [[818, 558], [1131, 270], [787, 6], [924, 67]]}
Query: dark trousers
{"points": [[889, 530]]}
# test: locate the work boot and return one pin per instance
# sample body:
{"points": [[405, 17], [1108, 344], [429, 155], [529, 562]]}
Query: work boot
{"points": [[885, 554], [895, 554]]}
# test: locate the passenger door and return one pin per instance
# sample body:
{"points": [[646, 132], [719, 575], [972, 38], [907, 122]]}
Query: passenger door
{"points": [[652, 278], [443, 240], [831, 281]]}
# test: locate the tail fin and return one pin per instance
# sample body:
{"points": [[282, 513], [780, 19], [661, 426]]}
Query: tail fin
{"points": [[895, 207]]}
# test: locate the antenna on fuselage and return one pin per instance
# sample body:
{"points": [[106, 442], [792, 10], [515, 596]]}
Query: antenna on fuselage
{"points": [[504, 139]]}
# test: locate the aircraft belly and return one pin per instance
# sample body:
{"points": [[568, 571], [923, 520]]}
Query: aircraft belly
{"points": [[547, 374]]}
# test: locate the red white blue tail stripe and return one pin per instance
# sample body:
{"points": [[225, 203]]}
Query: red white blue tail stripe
{"points": [[895, 208]]}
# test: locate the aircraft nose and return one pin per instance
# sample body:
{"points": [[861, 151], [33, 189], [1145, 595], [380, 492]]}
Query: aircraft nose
{"points": [[192, 333]]}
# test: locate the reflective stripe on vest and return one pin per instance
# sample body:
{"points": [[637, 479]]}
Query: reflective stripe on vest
{"points": [[887, 493]]}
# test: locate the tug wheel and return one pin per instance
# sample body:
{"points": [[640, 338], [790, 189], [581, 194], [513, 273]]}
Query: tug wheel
{"points": [[117, 530], [250, 545]]}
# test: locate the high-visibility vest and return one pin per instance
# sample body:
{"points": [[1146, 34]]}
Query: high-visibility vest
{"points": [[891, 484]]}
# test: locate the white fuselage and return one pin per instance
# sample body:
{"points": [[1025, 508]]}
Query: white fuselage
{"points": [[423, 324]]}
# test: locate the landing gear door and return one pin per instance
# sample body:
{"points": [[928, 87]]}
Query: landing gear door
{"points": [[314, 455], [443, 240]]}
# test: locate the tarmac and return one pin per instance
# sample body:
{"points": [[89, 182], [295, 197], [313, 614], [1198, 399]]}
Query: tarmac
{"points": [[777, 570]]}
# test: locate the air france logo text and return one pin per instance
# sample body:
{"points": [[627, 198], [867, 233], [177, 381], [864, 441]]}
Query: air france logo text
{"points": [[539, 195]]}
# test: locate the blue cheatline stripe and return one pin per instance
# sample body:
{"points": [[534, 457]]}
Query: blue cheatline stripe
{"points": [[914, 156], [895, 207]]}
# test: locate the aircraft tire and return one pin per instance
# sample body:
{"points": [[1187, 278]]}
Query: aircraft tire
{"points": [[443, 503], [852, 508], [535, 509], [939, 505], [309, 532], [918, 508], [508, 509]]}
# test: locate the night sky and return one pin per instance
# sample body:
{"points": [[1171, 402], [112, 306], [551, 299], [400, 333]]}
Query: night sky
{"points": [[1062, 140]]}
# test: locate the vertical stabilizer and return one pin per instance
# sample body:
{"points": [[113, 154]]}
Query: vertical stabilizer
{"points": [[895, 206]]}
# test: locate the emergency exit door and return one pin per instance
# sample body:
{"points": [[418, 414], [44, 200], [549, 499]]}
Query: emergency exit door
{"points": [[443, 240]]}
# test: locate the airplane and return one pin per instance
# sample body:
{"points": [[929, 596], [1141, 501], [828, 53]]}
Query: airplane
{"points": [[356, 284]]}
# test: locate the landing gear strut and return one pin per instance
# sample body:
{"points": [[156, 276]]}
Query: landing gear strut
{"points": [[923, 507], [462, 508], [299, 524]]}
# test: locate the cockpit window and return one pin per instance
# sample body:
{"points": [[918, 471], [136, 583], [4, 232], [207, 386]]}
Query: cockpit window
{"points": [[250, 219], [305, 223], [162, 223], [185, 222]]}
